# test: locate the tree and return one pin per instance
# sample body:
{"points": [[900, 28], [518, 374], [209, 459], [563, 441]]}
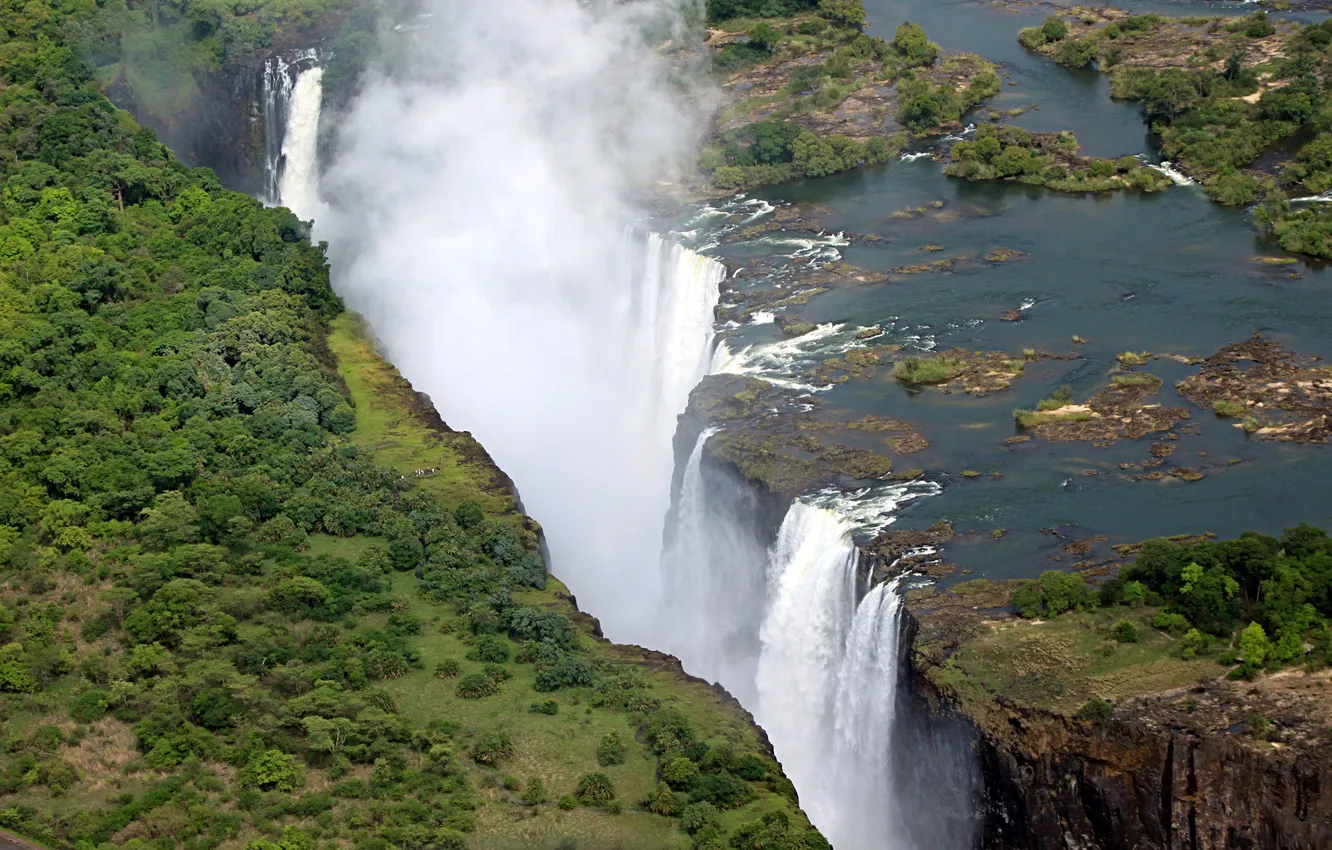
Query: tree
{"points": [[765, 37], [595, 789], [1254, 648], [910, 44], [844, 13], [173, 520]]}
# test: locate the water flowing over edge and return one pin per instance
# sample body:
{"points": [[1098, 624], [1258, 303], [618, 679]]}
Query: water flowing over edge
{"points": [[280, 76], [298, 181]]}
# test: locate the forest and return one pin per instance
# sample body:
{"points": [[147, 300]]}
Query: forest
{"points": [[1256, 602], [211, 589]]}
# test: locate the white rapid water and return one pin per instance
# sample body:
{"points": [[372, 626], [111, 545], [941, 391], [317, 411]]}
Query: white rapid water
{"points": [[827, 678], [679, 291], [298, 185]]}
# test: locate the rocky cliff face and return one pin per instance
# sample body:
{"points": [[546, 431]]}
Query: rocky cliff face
{"points": [[1220, 766]]}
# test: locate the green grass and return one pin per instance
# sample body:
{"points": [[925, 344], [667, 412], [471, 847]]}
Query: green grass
{"points": [[1029, 418], [1135, 379], [932, 369], [1230, 409], [1061, 664], [558, 748], [1133, 358], [389, 422]]}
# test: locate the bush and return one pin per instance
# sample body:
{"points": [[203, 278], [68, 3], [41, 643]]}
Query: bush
{"points": [[699, 816], [1052, 594], [595, 789], [545, 706], [752, 768], [722, 790], [1096, 710], [1124, 631], [1191, 644], [492, 748], [679, 773], [567, 803], [662, 801], [1259, 26], [273, 770], [477, 686], [611, 750], [1175, 624], [1033, 37], [449, 668], [1054, 28], [1229, 409], [535, 793], [912, 47], [569, 673]]}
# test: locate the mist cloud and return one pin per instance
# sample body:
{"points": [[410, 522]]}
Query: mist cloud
{"points": [[481, 202]]}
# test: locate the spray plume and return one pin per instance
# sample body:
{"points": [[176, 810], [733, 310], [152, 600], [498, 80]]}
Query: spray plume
{"points": [[479, 219]]}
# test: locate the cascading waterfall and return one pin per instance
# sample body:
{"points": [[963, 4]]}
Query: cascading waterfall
{"points": [[280, 75], [678, 292], [299, 180], [827, 678]]}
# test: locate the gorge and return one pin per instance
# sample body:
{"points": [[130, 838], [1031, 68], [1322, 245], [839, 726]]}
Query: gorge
{"points": [[770, 597], [769, 433]]}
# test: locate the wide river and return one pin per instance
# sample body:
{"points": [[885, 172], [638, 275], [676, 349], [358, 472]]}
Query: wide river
{"points": [[1165, 273]]}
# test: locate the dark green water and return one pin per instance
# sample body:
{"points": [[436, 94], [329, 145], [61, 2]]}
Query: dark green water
{"points": [[1163, 273]]}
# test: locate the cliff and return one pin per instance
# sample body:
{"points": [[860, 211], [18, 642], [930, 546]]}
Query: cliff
{"points": [[1207, 765]]}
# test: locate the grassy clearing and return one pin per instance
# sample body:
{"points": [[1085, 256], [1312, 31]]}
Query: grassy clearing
{"points": [[1063, 663], [1135, 379], [389, 421]]}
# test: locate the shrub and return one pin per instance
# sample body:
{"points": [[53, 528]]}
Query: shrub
{"points": [[545, 706], [1124, 631], [1033, 37], [89, 706], [912, 46], [699, 816], [449, 668], [1054, 28], [492, 748], [273, 770], [662, 801], [1259, 26], [567, 803], [595, 789], [571, 672], [1229, 409], [679, 773], [1192, 643], [535, 793], [752, 768], [490, 648], [1096, 710], [611, 750], [722, 790], [1175, 624], [497, 673], [477, 686], [1052, 594]]}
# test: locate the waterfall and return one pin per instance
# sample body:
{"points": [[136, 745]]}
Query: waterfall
{"points": [[863, 716], [827, 679], [299, 179], [678, 292], [280, 74], [713, 593]]}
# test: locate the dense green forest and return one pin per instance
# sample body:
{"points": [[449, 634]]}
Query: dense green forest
{"points": [[227, 617], [1256, 602]]}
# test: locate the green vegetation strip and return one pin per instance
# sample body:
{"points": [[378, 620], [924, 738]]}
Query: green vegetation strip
{"points": [[253, 592]]}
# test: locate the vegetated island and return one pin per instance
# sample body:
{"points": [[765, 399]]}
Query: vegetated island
{"points": [[809, 93], [1185, 689], [1046, 159], [254, 592], [1220, 93]]}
